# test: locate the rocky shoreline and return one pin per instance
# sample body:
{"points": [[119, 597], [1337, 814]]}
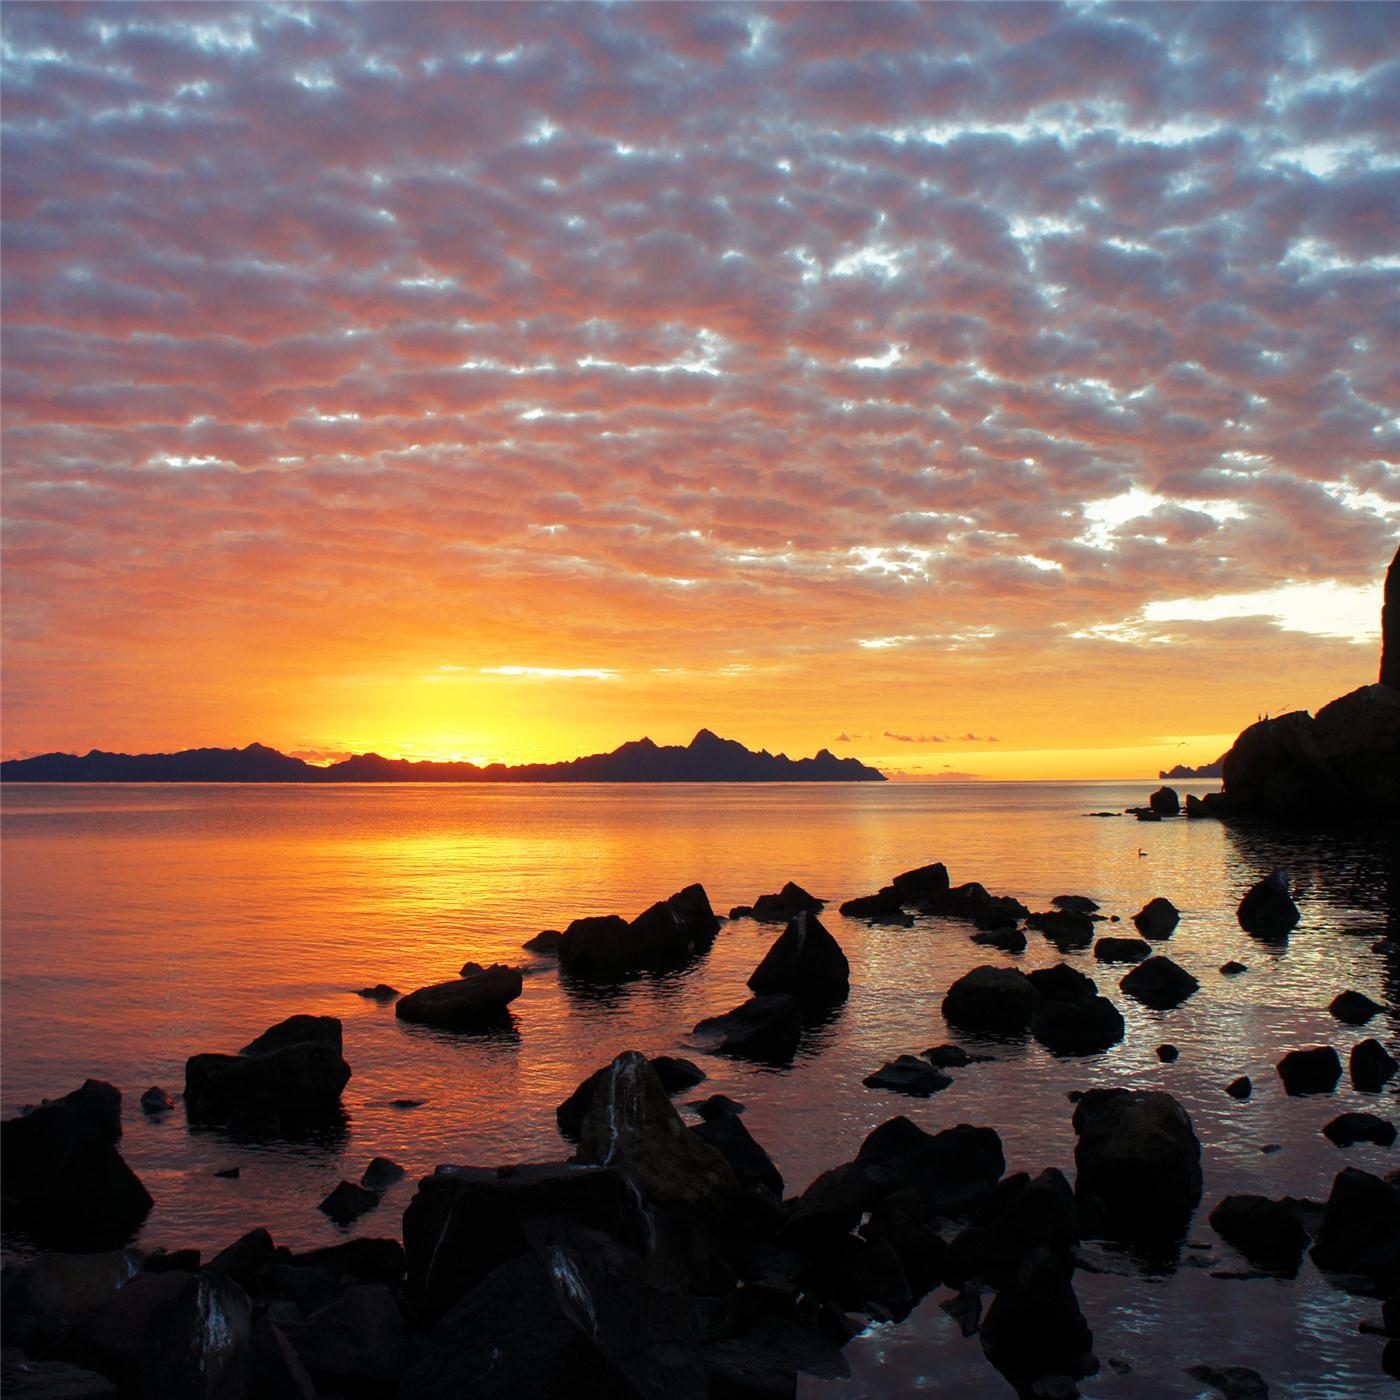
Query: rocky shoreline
{"points": [[658, 1258]]}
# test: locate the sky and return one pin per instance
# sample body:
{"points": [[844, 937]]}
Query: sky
{"points": [[1000, 390]]}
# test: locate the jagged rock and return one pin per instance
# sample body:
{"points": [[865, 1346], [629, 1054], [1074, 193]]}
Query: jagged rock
{"points": [[155, 1100], [1122, 950], [1266, 1232], [1062, 980], [23, 1379], [1354, 1009], [991, 1001], [64, 1180], [1034, 1326], [669, 933], [1165, 802], [359, 1344], [1064, 928], [925, 882], [674, 1073], [1233, 1382], [1314, 1070], [630, 1123], [475, 999], [1070, 1025], [789, 901], [381, 991], [381, 1174], [1157, 919], [1240, 1088], [1138, 1153], [752, 1166], [244, 1259], [1372, 1065], [1159, 983], [1267, 910], [1076, 902], [903, 1220], [198, 1345], [1359, 1233], [348, 1202], [969, 901], [44, 1296], [965, 1308], [907, 1074], [546, 943], [290, 1075], [762, 1028], [805, 962], [1347, 1129], [1006, 940]]}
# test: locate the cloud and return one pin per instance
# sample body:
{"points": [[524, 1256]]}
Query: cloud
{"points": [[942, 738]]}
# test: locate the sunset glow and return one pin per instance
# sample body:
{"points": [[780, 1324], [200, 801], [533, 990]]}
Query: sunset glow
{"points": [[995, 390]]}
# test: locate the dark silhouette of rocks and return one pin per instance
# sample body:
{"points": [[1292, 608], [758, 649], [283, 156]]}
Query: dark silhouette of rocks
{"points": [[706, 759], [479, 997], [1182, 771], [1267, 909], [907, 1074], [1347, 1129], [1354, 1008], [1159, 983], [668, 934], [806, 962], [1314, 1070], [1390, 627], [1157, 919], [1371, 1065], [763, 1028], [991, 1001]]}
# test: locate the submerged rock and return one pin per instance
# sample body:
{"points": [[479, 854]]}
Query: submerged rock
{"points": [[1159, 983], [1138, 1153], [1122, 950], [1007, 940], [882, 908], [991, 1001], [155, 1100], [1076, 902], [1372, 1065], [381, 991], [762, 1028], [1157, 919], [477, 998], [1314, 1070], [1233, 1382], [1232, 968], [1267, 910], [64, 1180], [805, 962], [907, 1074], [546, 942]]}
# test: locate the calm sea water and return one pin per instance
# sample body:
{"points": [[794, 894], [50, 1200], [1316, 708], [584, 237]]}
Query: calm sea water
{"points": [[145, 923]]}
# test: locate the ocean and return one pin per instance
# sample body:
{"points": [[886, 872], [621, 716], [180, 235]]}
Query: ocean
{"points": [[142, 924]]}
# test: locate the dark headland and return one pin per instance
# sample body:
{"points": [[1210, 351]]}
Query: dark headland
{"points": [[706, 759]]}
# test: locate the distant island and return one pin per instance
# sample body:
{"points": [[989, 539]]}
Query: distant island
{"points": [[706, 759], [1206, 770]]}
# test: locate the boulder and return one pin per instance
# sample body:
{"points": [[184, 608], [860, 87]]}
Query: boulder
{"points": [[277, 1372], [1233, 1382], [198, 1346], [1168, 1054], [668, 934], [276, 1082], [1390, 626], [924, 882], [1240, 1088], [1034, 1326], [991, 1001], [883, 907], [1314, 1070], [546, 943], [716, 1106], [907, 1074], [1267, 909], [381, 1174], [357, 1345], [23, 1379], [1018, 1217], [381, 991], [1232, 968], [64, 1182], [726, 1133], [1268, 1233], [789, 901], [951, 1172], [348, 1202], [1062, 980], [1122, 950], [1064, 928], [468, 1002], [1159, 983], [244, 1259], [631, 1124], [674, 1073], [1076, 902], [1359, 1233], [762, 1028], [1347, 1129], [1070, 1025], [44, 1296], [1138, 1153], [1157, 919], [1165, 802], [971, 901], [1354, 1009], [155, 1101], [806, 962], [1372, 1065], [364, 1258], [1006, 940]]}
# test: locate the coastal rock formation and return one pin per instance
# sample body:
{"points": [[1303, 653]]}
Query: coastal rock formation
{"points": [[1034, 1327], [1165, 802], [752, 1166], [477, 998], [1267, 1233], [1157, 919], [1267, 909], [778, 908], [668, 934], [908, 1074], [63, 1179], [673, 1074], [1159, 983], [806, 962], [1076, 1025], [1347, 1129], [1359, 1234], [1067, 929], [991, 1001], [1122, 950], [1139, 1155], [1354, 1008], [762, 1028], [290, 1075]]}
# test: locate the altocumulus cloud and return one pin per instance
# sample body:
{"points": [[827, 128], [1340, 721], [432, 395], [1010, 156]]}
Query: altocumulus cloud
{"points": [[587, 314]]}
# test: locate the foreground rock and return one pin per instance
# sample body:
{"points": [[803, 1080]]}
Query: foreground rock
{"points": [[477, 998], [1139, 1155], [290, 1076], [64, 1181], [1159, 983], [806, 962], [1157, 919], [1354, 1009], [762, 1028], [907, 1074], [1077, 1025], [668, 934], [673, 1073], [1359, 1233], [1267, 909], [1314, 1070], [1267, 1233], [991, 1001], [1372, 1065], [1034, 1328]]}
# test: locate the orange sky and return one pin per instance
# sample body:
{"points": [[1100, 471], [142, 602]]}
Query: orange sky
{"points": [[972, 389]]}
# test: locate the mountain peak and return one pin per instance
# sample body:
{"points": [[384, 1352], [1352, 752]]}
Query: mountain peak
{"points": [[704, 738]]}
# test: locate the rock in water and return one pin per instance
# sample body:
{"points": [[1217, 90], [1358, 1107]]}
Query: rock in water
{"points": [[1314, 1070], [1122, 950], [1159, 983], [348, 1202], [1266, 1232], [1354, 1009], [763, 1028], [733, 1141], [1371, 1066], [155, 1100], [675, 1074], [476, 999], [991, 1001], [1347, 1129], [1267, 910], [670, 933], [1138, 1153], [1034, 1327], [631, 1124], [1233, 1382], [806, 962], [64, 1180], [779, 908], [1165, 802], [1157, 919], [907, 1074], [1360, 1230], [1240, 1088], [198, 1345], [381, 1174], [1068, 1025], [1065, 928]]}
